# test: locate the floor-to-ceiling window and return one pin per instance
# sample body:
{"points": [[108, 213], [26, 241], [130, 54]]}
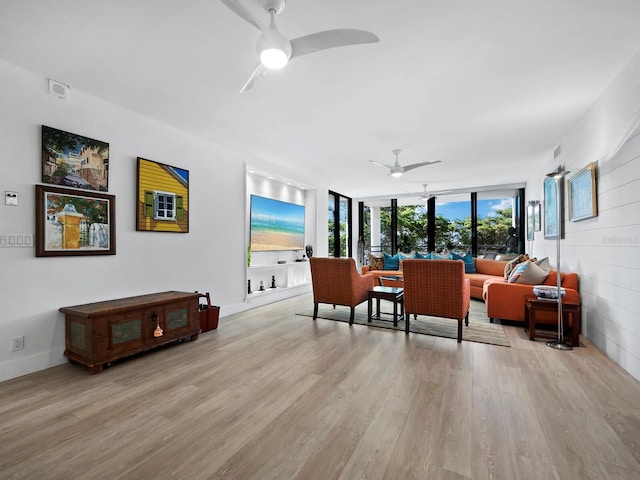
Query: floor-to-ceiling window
{"points": [[500, 221], [395, 225], [483, 222], [339, 225], [453, 223], [376, 228], [412, 226]]}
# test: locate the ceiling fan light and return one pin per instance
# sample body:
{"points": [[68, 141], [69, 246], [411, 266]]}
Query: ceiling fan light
{"points": [[273, 58], [396, 174]]}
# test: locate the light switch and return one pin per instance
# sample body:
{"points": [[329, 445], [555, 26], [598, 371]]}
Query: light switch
{"points": [[11, 198], [16, 240]]}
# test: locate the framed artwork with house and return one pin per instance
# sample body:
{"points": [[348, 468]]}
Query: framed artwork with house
{"points": [[71, 160], [163, 198], [72, 222]]}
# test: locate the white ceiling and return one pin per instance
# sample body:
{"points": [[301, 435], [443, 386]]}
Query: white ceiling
{"points": [[488, 87]]}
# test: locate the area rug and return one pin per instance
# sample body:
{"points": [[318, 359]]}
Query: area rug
{"points": [[479, 329]]}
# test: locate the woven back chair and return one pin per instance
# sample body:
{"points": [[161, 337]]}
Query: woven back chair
{"points": [[336, 281], [437, 288]]}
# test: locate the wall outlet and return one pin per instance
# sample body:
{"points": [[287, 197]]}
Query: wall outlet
{"points": [[17, 343]]}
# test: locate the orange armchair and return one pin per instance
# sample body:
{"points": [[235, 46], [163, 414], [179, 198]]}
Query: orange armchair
{"points": [[437, 288], [337, 281]]}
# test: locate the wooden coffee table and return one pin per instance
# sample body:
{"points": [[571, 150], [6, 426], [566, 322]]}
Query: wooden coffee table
{"points": [[532, 305], [392, 294]]}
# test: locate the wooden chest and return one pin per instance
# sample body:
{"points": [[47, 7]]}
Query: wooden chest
{"points": [[99, 333]]}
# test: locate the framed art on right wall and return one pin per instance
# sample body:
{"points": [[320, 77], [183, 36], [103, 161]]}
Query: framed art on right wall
{"points": [[533, 218], [582, 194], [553, 208]]}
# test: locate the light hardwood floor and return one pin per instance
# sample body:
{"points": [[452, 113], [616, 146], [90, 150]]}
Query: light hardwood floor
{"points": [[272, 395]]}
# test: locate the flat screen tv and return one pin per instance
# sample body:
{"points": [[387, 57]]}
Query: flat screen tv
{"points": [[276, 225]]}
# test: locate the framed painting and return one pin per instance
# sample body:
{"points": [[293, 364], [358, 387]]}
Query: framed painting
{"points": [[533, 218], [71, 160], [531, 224], [72, 222], [163, 198], [582, 194], [553, 203]]}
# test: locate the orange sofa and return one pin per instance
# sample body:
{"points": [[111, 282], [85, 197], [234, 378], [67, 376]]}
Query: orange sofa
{"points": [[366, 270], [506, 300], [503, 300], [485, 270]]}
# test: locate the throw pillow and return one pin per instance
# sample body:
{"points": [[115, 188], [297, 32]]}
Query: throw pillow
{"points": [[402, 257], [420, 256], [467, 258], [544, 264], [512, 264], [376, 263], [391, 262], [517, 270], [528, 273]]}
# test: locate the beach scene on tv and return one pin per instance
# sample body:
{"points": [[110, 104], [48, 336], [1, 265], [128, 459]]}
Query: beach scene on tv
{"points": [[276, 225]]}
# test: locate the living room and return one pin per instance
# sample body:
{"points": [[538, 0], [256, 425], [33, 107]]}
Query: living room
{"points": [[604, 133], [212, 256]]}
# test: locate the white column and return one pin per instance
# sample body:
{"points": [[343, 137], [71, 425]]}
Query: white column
{"points": [[375, 226]]}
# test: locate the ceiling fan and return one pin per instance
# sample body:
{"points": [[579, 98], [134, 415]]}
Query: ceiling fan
{"points": [[426, 196], [396, 170], [276, 50]]}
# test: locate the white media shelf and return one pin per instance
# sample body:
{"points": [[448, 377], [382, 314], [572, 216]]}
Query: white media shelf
{"points": [[287, 275]]}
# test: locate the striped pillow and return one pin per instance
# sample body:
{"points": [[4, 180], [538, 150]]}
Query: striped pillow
{"points": [[528, 273]]}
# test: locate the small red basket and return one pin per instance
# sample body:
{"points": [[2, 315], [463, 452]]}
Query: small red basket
{"points": [[209, 314]]}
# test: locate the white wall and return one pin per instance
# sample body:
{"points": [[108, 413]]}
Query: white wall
{"points": [[210, 258], [605, 250]]}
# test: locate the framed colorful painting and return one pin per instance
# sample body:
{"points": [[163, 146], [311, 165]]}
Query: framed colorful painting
{"points": [[582, 194], [71, 160], [74, 222], [163, 198], [533, 218], [553, 205]]}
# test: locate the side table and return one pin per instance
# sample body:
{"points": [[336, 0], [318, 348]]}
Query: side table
{"points": [[392, 294], [532, 305]]}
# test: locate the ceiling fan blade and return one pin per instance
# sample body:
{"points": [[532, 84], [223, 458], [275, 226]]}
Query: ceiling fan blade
{"points": [[243, 12], [257, 74], [421, 164], [381, 164], [330, 39]]}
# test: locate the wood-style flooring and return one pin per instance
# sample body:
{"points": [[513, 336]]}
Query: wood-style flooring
{"points": [[273, 395]]}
